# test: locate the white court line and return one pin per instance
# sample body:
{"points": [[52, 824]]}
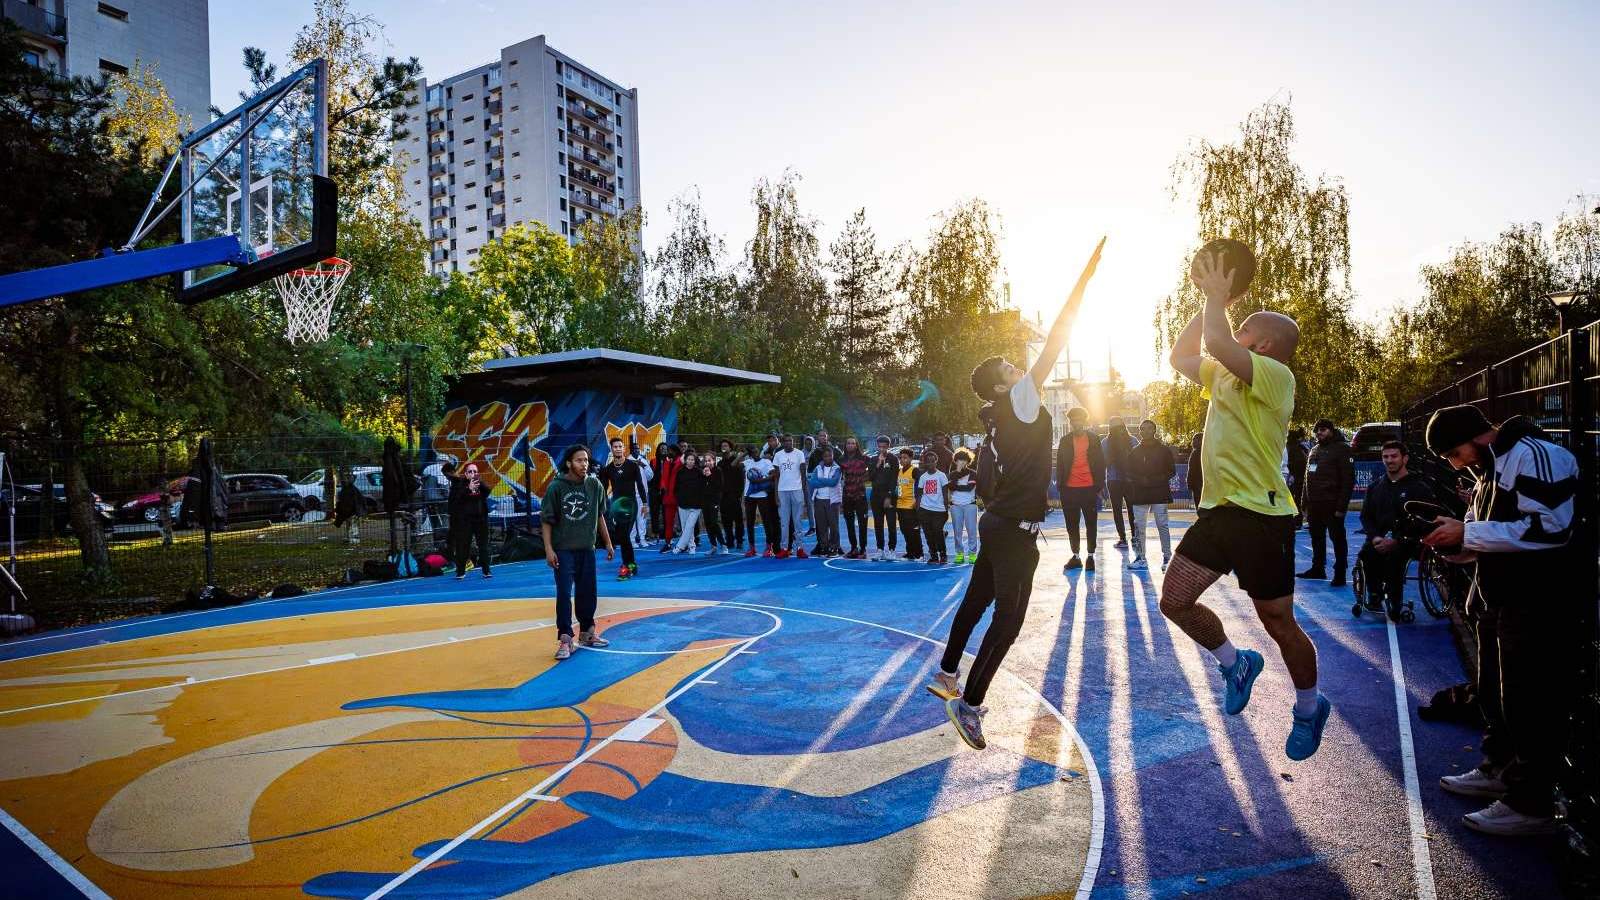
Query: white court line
{"points": [[193, 681], [662, 652], [1097, 819], [341, 657], [53, 859], [916, 565], [156, 619], [1421, 857], [560, 773], [638, 729], [697, 571]]}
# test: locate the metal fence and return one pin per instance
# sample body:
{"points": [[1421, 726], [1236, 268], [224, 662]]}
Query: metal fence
{"points": [[1557, 385]]}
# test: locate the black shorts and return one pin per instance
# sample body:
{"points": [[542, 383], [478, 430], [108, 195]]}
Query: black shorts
{"points": [[1258, 548]]}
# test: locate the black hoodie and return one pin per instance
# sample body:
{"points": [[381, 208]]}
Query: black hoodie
{"points": [[1330, 474]]}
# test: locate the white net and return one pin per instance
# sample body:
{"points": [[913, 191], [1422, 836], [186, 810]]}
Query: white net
{"points": [[308, 296]]}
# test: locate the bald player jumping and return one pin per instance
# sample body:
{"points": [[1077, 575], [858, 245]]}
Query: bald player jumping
{"points": [[1246, 519]]}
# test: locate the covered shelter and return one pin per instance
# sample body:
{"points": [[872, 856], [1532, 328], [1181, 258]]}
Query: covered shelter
{"points": [[515, 417]]}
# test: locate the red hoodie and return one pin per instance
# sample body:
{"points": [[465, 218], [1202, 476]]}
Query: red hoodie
{"points": [[669, 478]]}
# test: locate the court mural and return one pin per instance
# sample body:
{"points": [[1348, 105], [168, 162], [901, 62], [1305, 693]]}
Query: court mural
{"points": [[367, 752], [516, 441]]}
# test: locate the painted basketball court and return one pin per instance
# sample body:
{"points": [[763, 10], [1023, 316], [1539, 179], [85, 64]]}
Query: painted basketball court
{"points": [[757, 728]]}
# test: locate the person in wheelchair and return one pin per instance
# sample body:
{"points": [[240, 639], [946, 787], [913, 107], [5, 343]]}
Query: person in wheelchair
{"points": [[1390, 545]]}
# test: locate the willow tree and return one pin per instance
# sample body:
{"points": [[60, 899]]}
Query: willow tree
{"points": [[1253, 190]]}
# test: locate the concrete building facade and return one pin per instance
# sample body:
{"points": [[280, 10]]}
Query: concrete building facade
{"points": [[94, 37], [533, 137]]}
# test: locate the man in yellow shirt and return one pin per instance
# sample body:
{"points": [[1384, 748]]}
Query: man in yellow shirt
{"points": [[1246, 515]]}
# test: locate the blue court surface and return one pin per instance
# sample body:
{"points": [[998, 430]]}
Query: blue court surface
{"points": [[757, 728]]}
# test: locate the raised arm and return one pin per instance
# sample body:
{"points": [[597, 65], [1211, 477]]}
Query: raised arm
{"points": [[1217, 284], [1186, 354], [1056, 341]]}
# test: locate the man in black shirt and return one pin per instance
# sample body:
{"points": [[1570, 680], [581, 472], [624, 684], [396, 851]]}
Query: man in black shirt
{"points": [[1015, 505], [621, 478], [1385, 553]]}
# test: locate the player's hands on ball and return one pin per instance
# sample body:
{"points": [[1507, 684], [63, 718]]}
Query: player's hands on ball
{"points": [[1449, 533], [1208, 275]]}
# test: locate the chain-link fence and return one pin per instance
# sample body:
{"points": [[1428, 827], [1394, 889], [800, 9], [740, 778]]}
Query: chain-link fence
{"points": [[1557, 385]]}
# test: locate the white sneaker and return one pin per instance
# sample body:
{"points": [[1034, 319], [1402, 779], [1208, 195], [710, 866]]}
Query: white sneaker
{"points": [[1476, 783], [1139, 563], [1501, 819]]}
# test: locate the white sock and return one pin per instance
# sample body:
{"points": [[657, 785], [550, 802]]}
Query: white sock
{"points": [[1305, 701], [1225, 655]]}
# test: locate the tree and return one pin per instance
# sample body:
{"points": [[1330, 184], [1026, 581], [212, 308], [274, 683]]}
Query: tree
{"points": [[1577, 244], [608, 270], [524, 282], [957, 314], [1254, 191], [863, 333], [144, 121]]}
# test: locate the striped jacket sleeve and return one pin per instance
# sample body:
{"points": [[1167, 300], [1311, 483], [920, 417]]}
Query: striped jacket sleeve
{"points": [[1543, 479]]}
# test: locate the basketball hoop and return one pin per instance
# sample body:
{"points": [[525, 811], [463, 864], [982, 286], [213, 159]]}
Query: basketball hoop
{"points": [[308, 298]]}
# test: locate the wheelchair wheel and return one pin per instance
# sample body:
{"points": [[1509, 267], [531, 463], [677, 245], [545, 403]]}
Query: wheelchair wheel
{"points": [[1406, 615], [1433, 583], [1356, 610]]}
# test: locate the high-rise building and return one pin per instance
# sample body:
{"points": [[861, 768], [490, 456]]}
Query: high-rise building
{"points": [[91, 38], [534, 137]]}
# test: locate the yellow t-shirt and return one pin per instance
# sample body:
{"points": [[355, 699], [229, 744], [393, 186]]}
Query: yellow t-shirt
{"points": [[1242, 454], [906, 497]]}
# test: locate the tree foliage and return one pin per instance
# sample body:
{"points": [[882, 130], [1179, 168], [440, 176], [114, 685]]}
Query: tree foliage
{"points": [[1253, 190]]}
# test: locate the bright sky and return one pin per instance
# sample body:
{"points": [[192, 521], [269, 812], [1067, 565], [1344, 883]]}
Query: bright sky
{"points": [[1446, 120]]}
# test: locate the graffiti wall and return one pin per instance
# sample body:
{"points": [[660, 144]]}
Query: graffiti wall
{"points": [[517, 440]]}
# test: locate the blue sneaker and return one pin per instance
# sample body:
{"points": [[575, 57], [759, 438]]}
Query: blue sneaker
{"points": [[968, 720], [1306, 736], [1240, 679]]}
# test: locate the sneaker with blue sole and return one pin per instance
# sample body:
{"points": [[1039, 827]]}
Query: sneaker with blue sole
{"points": [[1240, 679], [1306, 736]]}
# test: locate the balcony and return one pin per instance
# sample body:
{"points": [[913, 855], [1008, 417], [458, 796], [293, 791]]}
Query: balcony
{"points": [[438, 190], [494, 107], [596, 182], [584, 113], [438, 234], [593, 162], [595, 141], [496, 173], [439, 212], [435, 125], [36, 21], [496, 130], [436, 169], [585, 200], [498, 151], [438, 255], [435, 147], [498, 221], [593, 95], [497, 198]]}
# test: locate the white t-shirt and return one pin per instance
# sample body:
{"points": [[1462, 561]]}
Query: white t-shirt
{"points": [[1025, 401], [763, 470], [930, 490], [834, 494], [791, 469], [967, 497]]}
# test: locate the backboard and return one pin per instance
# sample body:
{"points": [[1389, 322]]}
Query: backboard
{"points": [[261, 173]]}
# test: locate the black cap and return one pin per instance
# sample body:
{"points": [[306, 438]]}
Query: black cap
{"points": [[1453, 426]]}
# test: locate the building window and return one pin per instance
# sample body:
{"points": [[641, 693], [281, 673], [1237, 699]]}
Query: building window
{"points": [[473, 251], [558, 67], [468, 141], [466, 98], [470, 209], [106, 9], [561, 157], [515, 108], [516, 131], [515, 154], [112, 68], [471, 229], [619, 120], [563, 203], [466, 120], [563, 182], [563, 227], [513, 62], [516, 200], [472, 184], [516, 177]]}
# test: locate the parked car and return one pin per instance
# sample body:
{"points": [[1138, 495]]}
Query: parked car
{"points": [[1367, 445], [146, 507], [369, 481], [29, 502], [256, 495]]}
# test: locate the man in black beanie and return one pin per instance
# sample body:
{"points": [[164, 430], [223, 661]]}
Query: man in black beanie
{"points": [[1517, 538]]}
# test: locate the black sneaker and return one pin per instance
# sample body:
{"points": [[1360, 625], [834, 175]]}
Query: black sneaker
{"points": [[1338, 580], [1314, 574], [1088, 563], [1073, 563]]}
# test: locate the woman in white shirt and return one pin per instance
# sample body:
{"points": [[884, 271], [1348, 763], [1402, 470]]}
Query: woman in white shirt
{"points": [[964, 507]]}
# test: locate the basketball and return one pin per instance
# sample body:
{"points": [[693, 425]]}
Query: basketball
{"points": [[622, 509], [1236, 257]]}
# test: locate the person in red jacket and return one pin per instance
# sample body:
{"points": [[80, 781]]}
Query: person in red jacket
{"points": [[667, 471]]}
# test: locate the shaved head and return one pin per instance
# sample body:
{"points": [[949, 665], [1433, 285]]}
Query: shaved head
{"points": [[1270, 334]]}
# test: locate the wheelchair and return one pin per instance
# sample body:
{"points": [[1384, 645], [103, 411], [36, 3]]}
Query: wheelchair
{"points": [[1436, 586]]}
